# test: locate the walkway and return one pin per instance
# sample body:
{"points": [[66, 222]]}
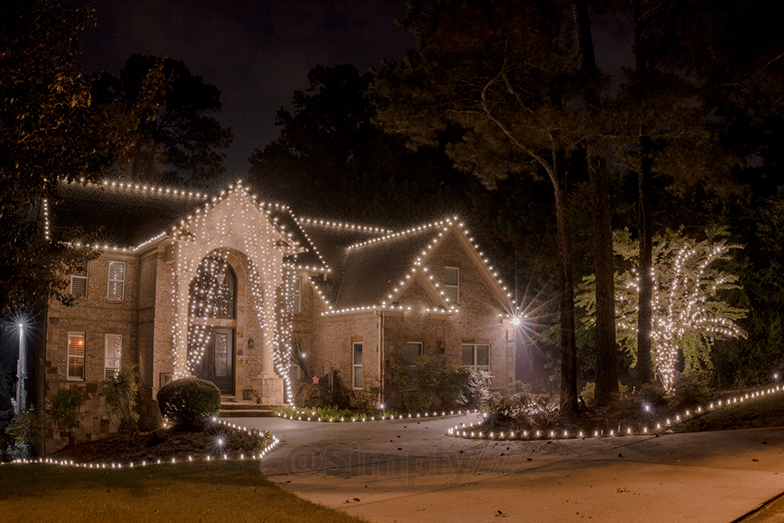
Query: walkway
{"points": [[406, 471]]}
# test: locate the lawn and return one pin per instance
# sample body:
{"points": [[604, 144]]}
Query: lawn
{"points": [[192, 492], [763, 411]]}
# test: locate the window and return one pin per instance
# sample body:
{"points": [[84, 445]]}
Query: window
{"points": [[213, 291], [116, 280], [297, 295], [476, 356], [356, 367], [79, 282], [294, 370], [112, 354], [76, 356], [413, 352], [452, 285]]}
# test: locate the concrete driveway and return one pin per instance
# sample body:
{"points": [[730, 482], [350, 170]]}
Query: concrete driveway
{"points": [[404, 470]]}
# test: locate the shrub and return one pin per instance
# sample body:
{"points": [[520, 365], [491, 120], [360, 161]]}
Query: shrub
{"points": [[509, 411], [429, 385], [691, 389], [25, 432], [588, 394], [6, 439], [120, 395], [66, 406], [311, 395], [332, 412], [652, 393], [186, 403], [520, 386]]}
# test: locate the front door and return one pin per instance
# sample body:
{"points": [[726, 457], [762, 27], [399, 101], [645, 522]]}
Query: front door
{"points": [[218, 360]]}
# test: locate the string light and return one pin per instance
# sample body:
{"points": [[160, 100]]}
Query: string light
{"points": [[269, 447], [458, 432]]}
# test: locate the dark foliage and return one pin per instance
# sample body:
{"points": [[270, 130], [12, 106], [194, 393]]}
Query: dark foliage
{"points": [[65, 407], [187, 403], [178, 140]]}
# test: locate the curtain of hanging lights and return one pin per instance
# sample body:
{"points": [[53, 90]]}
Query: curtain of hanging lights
{"points": [[265, 272]]}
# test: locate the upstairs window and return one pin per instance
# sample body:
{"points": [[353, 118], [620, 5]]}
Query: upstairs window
{"points": [[79, 282], [116, 289], [76, 356], [476, 356], [297, 295], [452, 285], [112, 355], [356, 366], [413, 352]]}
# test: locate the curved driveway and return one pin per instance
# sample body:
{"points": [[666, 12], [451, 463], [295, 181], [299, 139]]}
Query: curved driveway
{"points": [[407, 470]]}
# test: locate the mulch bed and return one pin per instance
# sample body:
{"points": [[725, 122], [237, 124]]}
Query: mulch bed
{"points": [[163, 444]]}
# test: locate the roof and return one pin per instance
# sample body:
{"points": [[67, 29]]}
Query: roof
{"points": [[364, 267], [120, 214]]}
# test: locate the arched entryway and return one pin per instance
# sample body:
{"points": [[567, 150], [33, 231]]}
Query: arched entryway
{"points": [[212, 329]]}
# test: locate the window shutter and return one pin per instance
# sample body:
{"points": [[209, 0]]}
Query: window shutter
{"points": [[116, 289]]}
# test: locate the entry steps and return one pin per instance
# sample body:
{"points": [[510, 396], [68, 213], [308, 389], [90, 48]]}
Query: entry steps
{"points": [[233, 408]]}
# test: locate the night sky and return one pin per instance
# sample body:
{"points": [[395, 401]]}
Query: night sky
{"points": [[259, 51], [256, 51]]}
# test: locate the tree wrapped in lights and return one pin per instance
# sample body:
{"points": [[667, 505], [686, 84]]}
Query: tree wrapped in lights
{"points": [[690, 279]]}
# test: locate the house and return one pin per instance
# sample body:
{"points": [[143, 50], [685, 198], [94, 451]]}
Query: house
{"points": [[225, 286]]}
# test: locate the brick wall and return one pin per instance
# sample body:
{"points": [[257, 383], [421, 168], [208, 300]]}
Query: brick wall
{"points": [[95, 316]]}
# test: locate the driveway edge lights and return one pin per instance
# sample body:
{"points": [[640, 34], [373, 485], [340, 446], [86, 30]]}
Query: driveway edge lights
{"points": [[471, 431], [173, 461]]}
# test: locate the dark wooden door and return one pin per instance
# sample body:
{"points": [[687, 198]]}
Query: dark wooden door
{"points": [[217, 364]]}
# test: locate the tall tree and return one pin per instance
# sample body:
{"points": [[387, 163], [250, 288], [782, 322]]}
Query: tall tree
{"points": [[501, 72], [50, 131], [329, 155], [694, 62], [595, 151], [178, 140]]}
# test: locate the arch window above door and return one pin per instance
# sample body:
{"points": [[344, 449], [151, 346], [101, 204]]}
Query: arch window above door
{"points": [[213, 292]]}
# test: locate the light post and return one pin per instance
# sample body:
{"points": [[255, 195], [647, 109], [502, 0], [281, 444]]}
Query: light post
{"points": [[21, 374]]}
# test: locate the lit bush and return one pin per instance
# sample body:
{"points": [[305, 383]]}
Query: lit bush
{"points": [[188, 402]]}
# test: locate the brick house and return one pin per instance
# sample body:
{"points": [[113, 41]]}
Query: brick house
{"points": [[226, 286]]}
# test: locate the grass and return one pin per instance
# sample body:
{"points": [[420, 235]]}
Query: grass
{"points": [[192, 492], [764, 411]]}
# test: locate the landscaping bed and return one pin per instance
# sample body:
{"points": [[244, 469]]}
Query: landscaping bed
{"points": [[526, 417], [215, 440]]}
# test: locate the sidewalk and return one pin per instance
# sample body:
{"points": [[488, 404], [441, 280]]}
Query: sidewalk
{"points": [[713, 476]]}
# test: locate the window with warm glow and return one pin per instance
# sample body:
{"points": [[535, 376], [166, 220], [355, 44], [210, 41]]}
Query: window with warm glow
{"points": [[476, 355], [112, 355], [414, 351], [452, 285], [116, 289], [356, 367], [76, 356], [79, 282]]}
